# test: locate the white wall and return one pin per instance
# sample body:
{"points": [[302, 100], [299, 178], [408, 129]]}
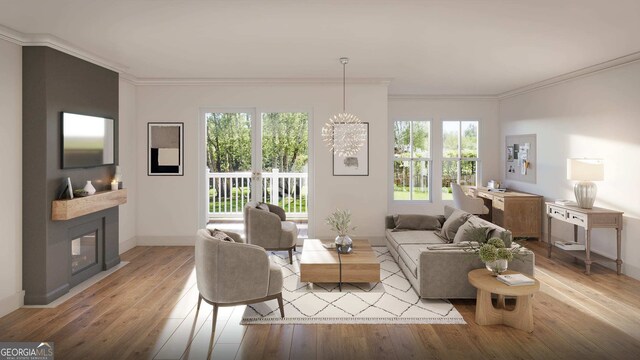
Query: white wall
{"points": [[167, 205], [127, 138], [11, 295], [593, 116], [437, 110]]}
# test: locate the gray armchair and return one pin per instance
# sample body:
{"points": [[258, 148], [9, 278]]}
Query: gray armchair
{"points": [[233, 273], [270, 229]]}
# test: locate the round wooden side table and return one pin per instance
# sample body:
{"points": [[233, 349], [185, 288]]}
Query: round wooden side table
{"points": [[521, 317]]}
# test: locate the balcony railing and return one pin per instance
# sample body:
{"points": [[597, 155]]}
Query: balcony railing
{"points": [[230, 192]]}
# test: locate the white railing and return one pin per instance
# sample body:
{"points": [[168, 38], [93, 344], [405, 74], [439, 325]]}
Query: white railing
{"points": [[229, 192]]}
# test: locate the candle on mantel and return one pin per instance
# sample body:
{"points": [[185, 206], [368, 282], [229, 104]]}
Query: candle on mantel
{"points": [[114, 185]]}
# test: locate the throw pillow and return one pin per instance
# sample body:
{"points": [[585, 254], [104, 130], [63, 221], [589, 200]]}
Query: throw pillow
{"points": [[220, 235], [448, 210], [416, 222], [453, 223], [505, 235], [469, 231], [263, 206]]}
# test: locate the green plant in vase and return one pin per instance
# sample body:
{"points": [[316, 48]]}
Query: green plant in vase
{"points": [[340, 222], [495, 252]]}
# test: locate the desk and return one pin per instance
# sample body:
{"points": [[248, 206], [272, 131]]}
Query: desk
{"points": [[587, 219], [519, 212]]}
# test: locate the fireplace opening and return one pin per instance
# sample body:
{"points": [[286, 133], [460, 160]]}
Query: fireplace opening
{"points": [[84, 252]]}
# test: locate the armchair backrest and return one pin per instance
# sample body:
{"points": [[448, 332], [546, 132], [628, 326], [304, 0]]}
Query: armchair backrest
{"points": [[459, 196], [228, 272]]}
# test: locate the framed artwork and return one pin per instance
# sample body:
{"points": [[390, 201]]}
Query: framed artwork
{"points": [[356, 165], [165, 149]]}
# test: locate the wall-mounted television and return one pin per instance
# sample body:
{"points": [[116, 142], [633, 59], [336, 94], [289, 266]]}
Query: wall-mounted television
{"points": [[87, 141]]}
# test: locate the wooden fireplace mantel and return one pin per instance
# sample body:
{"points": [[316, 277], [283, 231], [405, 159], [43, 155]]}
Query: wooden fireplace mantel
{"points": [[73, 208]]}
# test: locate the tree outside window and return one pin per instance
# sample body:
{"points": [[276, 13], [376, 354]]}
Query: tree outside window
{"points": [[411, 160], [460, 156]]}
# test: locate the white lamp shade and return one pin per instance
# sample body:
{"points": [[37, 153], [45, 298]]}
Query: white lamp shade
{"points": [[585, 169]]}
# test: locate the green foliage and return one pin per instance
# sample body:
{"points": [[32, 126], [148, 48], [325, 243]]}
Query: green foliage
{"points": [[340, 222], [496, 242], [488, 253], [284, 142]]}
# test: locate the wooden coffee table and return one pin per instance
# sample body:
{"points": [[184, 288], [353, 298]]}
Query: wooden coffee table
{"points": [[321, 265], [520, 318]]}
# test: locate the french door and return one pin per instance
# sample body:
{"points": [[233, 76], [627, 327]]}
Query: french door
{"points": [[256, 156]]}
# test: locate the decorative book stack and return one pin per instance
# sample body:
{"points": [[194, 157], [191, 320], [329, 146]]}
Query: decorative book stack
{"points": [[515, 280]]}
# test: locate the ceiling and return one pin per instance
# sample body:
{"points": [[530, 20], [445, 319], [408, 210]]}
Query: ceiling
{"points": [[426, 47]]}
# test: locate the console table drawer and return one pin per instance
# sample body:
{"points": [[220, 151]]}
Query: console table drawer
{"points": [[485, 195], [577, 218], [557, 212]]}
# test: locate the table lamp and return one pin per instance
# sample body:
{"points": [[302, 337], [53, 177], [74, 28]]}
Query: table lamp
{"points": [[585, 171]]}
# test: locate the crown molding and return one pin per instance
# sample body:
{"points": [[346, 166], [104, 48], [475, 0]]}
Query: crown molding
{"points": [[409, 97], [258, 81], [587, 71], [56, 43]]}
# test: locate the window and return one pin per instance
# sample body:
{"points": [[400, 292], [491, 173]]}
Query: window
{"points": [[460, 157], [411, 160]]}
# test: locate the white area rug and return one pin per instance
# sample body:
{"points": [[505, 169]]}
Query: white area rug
{"points": [[391, 301]]}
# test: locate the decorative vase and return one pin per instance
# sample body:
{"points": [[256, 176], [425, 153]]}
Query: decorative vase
{"points": [[89, 188], [497, 267], [344, 244]]}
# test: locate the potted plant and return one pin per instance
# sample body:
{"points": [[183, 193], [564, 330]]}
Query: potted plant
{"points": [[340, 222], [494, 251]]}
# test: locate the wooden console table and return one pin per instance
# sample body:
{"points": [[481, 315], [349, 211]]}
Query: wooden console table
{"points": [[587, 219], [519, 212]]}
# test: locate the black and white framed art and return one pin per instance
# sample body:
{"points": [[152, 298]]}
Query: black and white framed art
{"points": [[165, 147]]}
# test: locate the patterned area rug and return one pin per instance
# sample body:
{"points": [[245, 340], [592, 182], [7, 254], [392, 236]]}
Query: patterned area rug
{"points": [[390, 301]]}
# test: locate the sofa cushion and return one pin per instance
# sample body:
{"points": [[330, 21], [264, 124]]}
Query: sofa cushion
{"points": [[409, 254], [470, 231], [412, 237], [453, 222], [416, 222]]}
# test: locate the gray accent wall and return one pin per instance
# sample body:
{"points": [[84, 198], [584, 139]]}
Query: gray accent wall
{"points": [[55, 82]]}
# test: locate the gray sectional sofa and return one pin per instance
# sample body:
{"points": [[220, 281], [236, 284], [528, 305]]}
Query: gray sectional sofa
{"points": [[436, 269]]}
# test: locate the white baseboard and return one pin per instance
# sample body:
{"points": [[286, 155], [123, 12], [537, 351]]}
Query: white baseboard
{"points": [[11, 303], [166, 240], [128, 245]]}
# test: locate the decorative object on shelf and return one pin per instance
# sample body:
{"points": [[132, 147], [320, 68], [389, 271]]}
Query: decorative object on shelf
{"points": [[340, 221], [355, 165], [67, 192], [585, 171], [114, 185], [89, 188], [165, 147], [80, 193], [344, 133], [117, 177]]}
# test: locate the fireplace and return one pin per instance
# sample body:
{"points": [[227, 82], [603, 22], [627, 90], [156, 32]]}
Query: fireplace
{"points": [[84, 252], [86, 243]]}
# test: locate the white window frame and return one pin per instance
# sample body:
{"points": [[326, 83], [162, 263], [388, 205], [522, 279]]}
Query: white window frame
{"points": [[428, 160], [459, 159]]}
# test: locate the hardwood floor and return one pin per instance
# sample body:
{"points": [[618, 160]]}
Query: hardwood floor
{"points": [[146, 310]]}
